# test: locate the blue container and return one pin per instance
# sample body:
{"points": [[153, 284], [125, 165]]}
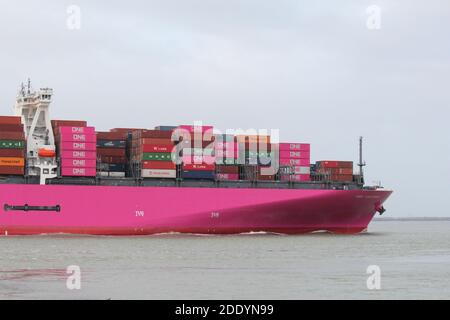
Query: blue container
{"points": [[198, 174], [116, 167], [166, 128], [111, 143], [111, 167]]}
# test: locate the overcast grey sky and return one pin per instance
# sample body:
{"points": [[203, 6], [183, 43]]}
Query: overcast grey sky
{"points": [[313, 69]]}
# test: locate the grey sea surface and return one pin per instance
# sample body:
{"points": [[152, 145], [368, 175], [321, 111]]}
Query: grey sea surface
{"points": [[413, 258]]}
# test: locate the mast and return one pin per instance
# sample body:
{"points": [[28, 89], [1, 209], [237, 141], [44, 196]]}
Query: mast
{"points": [[361, 163]]}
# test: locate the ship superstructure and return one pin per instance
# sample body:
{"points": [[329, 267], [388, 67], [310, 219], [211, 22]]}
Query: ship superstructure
{"points": [[33, 107]]}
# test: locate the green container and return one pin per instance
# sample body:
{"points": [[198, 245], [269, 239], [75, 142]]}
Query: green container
{"points": [[254, 154], [11, 144], [226, 161], [157, 156]]}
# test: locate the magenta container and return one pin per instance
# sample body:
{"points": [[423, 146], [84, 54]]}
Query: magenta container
{"points": [[199, 128], [83, 163], [227, 176], [71, 145], [78, 154], [76, 130], [199, 159], [295, 147], [295, 154], [78, 172], [296, 177], [78, 137], [294, 162]]}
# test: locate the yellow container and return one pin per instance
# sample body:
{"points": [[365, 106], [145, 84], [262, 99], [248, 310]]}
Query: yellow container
{"points": [[12, 162]]}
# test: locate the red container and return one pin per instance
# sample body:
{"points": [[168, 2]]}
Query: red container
{"points": [[11, 170], [335, 164], [84, 163], [156, 141], [228, 169], [16, 136], [295, 154], [113, 136], [68, 123], [11, 128], [328, 164], [78, 172], [78, 137], [342, 177], [64, 146], [295, 147], [16, 153], [157, 148], [202, 166], [164, 165], [116, 152], [10, 120], [76, 130], [294, 162], [227, 176], [72, 154], [113, 159], [152, 134]]}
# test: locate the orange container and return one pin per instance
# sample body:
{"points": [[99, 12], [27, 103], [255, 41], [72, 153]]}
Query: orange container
{"points": [[12, 162], [156, 141]]}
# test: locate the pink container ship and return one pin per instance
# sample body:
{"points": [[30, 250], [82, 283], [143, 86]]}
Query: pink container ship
{"points": [[70, 187]]}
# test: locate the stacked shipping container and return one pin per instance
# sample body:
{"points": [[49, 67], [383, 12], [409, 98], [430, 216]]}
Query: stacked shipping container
{"points": [[152, 149], [295, 159], [76, 148], [339, 171], [226, 150], [257, 156], [198, 153], [12, 146], [111, 153]]}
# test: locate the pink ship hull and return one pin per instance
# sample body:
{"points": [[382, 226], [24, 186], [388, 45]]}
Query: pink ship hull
{"points": [[111, 210]]}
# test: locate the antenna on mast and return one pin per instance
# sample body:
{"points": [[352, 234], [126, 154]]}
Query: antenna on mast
{"points": [[29, 86], [22, 89], [361, 163]]}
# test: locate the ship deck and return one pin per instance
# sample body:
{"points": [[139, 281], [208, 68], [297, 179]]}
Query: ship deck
{"points": [[151, 182]]}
